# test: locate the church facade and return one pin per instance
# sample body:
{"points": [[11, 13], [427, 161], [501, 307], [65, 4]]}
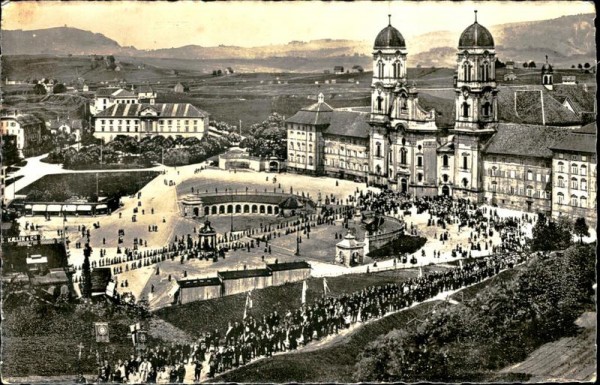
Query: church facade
{"points": [[398, 145]]}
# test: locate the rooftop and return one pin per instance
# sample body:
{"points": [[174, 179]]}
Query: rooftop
{"points": [[241, 274], [525, 140], [199, 282], [349, 123], [288, 266], [164, 110]]}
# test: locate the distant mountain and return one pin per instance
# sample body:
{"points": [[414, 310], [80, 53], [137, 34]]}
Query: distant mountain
{"points": [[565, 39]]}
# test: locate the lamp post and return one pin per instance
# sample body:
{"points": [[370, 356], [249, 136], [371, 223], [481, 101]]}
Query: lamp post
{"points": [[297, 253]]}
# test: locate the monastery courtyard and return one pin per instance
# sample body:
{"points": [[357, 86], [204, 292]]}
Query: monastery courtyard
{"points": [[161, 196]]}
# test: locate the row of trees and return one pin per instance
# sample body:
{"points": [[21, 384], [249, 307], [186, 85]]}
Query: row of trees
{"points": [[126, 150], [500, 326]]}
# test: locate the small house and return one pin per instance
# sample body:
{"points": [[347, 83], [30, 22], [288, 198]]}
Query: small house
{"points": [[181, 87], [198, 289]]}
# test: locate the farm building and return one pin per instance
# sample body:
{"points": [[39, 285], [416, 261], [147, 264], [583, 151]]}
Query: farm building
{"points": [[180, 88], [25, 127], [338, 70], [200, 289], [240, 281], [289, 272]]}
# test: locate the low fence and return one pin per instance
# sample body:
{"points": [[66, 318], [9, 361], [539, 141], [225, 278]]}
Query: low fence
{"points": [[376, 241]]}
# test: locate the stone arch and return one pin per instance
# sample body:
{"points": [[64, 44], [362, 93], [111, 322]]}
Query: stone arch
{"points": [[221, 209], [276, 210], [229, 209], [254, 209], [213, 210], [238, 209], [269, 209], [206, 210], [246, 209]]}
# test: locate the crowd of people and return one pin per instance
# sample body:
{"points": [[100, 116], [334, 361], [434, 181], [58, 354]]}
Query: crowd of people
{"points": [[251, 338]]}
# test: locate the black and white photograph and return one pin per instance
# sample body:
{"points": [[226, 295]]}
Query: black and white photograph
{"points": [[298, 192]]}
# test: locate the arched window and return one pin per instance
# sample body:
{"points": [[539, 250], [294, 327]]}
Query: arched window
{"points": [[397, 67], [420, 177], [445, 161], [486, 110], [465, 182], [467, 67], [445, 178], [403, 153], [583, 170], [529, 175], [378, 150], [465, 164], [493, 171], [485, 71], [380, 69], [529, 191], [404, 103], [378, 170], [310, 160], [390, 156], [404, 141], [419, 161], [574, 169], [561, 198], [583, 202], [561, 167], [574, 184], [574, 200], [379, 103], [561, 181], [292, 158], [494, 186], [584, 185], [465, 110]]}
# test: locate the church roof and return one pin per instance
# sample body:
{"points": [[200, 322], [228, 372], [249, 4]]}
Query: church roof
{"points": [[291, 203], [525, 140], [587, 129], [165, 110], [526, 106], [389, 37], [476, 36], [349, 123]]}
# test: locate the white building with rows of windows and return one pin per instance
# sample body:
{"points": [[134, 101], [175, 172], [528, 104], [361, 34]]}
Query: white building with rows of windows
{"points": [[142, 120]]}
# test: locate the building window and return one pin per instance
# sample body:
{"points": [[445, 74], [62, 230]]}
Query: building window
{"points": [[485, 71], [583, 185], [403, 153], [390, 156], [465, 182], [561, 198], [378, 170], [583, 202], [378, 150], [445, 178], [420, 177], [391, 173], [574, 201], [529, 191], [465, 164], [493, 171], [583, 170], [397, 67], [561, 166], [380, 69], [574, 169], [561, 181], [574, 184], [529, 175], [494, 186], [465, 110], [467, 67], [310, 160], [487, 109], [445, 161], [419, 161], [513, 174], [379, 103]]}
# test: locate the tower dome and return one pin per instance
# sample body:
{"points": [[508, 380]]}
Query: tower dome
{"points": [[476, 36], [389, 37], [547, 68]]}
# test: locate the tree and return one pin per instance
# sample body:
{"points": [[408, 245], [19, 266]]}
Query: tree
{"points": [[572, 65], [579, 66], [10, 153], [59, 88], [499, 64], [551, 235], [586, 65], [581, 229], [39, 89], [532, 64], [86, 272], [525, 65]]}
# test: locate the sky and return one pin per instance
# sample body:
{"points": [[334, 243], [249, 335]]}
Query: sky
{"points": [[151, 25]]}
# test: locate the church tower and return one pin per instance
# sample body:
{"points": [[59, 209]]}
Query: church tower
{"points": [[547, 75], [389, 72], [476, 107]]}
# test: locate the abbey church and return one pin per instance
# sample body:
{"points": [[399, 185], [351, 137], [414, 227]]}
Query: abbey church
{"points": [[524, 158]]}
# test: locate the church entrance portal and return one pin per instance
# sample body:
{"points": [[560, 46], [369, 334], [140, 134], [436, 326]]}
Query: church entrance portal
{"points": [[446, 191], [403, 186]]}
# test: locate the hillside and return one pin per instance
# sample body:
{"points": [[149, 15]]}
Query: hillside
{"points": [[567, 40]]}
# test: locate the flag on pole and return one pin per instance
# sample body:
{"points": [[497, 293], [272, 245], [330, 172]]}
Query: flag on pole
{"points": [[304, 292], [248, 304], [420, 272], [101, 331], [460, 262], [325, 287]]}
